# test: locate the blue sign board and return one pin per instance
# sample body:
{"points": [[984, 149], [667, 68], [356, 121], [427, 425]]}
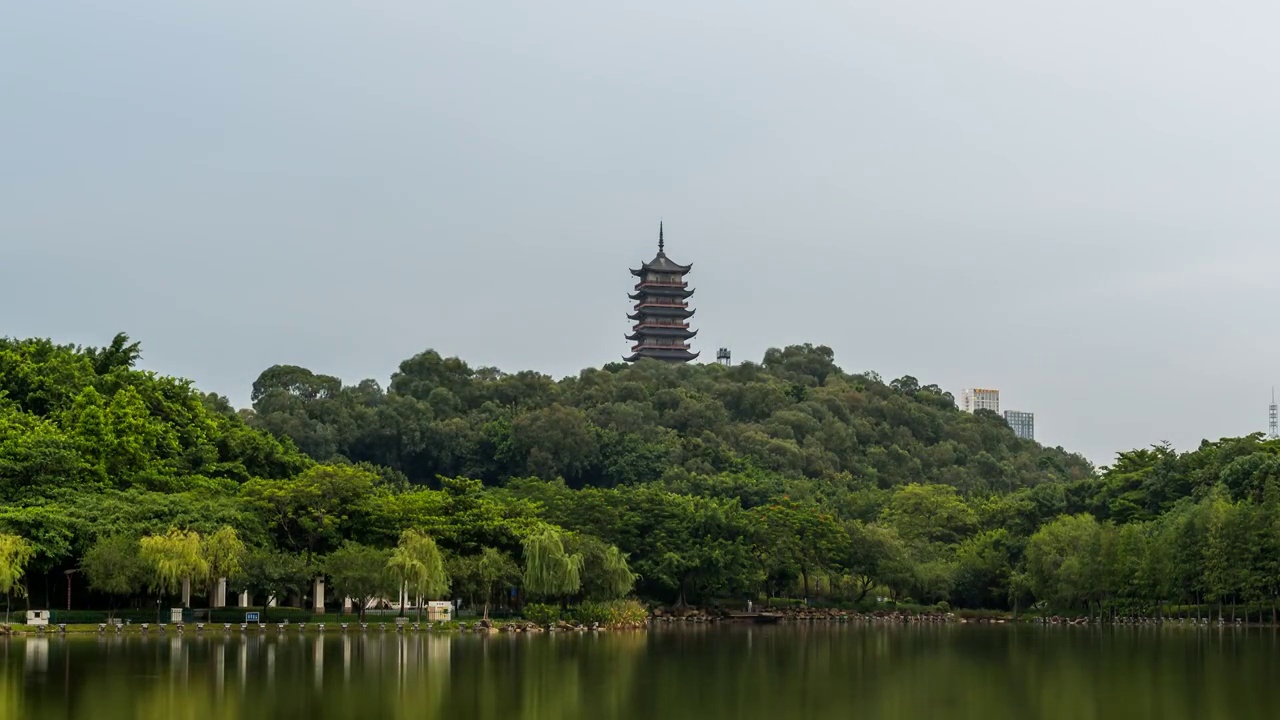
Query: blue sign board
{"points": [[251, 617]]}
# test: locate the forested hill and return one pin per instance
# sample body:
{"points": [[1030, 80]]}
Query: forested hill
{"points": [[786, 478], [87, 419], [795, 414]]}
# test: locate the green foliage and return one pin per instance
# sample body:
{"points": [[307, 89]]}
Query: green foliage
{"points": [[311, 512], [550, 571], [417, 564], [224, 553], [679, 483], [15, 553], [541, 614], [612, 613], [114, 566], [173, 558], [360, 572], [268, 574], [483, 577], [85, 418], [605, 572], [797, 414]]}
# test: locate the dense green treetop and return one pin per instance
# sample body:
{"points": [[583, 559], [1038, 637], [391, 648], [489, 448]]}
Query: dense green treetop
{"points": [[796, 414]]}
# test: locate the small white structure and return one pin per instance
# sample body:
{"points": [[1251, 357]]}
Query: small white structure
{"points": [[175, 615], [439, 611], [38, 618]]}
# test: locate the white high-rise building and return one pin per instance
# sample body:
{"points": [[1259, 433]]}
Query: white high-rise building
{"points": [[974, 399]]}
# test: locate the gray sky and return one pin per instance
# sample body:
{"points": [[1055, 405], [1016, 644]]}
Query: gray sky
{"points": [[1072, 202]]}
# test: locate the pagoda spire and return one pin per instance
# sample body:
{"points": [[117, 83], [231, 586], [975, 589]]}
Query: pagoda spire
{"points": [[661, 242]]}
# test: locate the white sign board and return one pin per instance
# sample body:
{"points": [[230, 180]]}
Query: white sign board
{"points": [[439, 611]]}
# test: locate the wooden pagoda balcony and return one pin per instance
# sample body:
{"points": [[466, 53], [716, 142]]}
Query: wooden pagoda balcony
{"points": [[647, 283], [677, 325], [642, 346], [678, 304]]}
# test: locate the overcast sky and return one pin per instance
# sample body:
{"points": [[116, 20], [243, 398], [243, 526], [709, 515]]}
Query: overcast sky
{"points": [[1075, 203]]}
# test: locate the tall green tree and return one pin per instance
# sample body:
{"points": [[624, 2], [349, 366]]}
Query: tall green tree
{"points": [[114, 567], [417, 564], [495, 570], [317, 509], [360, 573], [605, 573], [15, 553], [224, 553], [267, 574], [173, 560], [549, 571]]}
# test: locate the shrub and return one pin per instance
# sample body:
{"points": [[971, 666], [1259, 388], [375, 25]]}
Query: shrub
{"points": [[541, 614], [614, 613]]}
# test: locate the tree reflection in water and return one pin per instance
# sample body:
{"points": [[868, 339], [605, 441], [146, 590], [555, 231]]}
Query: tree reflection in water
{"points": [[814, 672]]}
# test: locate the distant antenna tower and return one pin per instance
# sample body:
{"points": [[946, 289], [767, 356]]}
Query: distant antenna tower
{"points": [[722, 357], [1273, 425]]}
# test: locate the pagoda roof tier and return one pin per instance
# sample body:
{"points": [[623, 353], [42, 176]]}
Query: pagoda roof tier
{"points": [[663, 311], [662, 264], [641, 332], [665, 354], [660, 291]]}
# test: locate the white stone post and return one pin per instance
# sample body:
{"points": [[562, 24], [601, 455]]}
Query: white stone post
{"points": [[186, 592], [317, 596], [219, 599], [271, 601], [245, 599], [347, 604]]}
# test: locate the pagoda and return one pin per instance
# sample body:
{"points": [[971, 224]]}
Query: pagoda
{"points": [[662, 313]]}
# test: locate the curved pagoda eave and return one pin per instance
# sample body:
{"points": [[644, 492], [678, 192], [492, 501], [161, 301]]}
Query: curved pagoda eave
{"points": [[663, 355], [662, 264], [682, 333], [662, 312], [662, 292]]}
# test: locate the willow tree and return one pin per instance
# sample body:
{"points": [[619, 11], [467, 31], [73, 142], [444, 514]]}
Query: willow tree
{"points": [[417, 563], [549, 571], [614, 575], [15, 553], [174, 559], [225, 555], [605, 572]]}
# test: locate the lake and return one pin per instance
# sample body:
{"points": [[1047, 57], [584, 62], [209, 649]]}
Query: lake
{"points": [[708, 673]]}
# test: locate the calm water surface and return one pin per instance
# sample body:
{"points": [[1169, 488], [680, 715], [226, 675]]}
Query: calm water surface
{"points": [[719, 673]]}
